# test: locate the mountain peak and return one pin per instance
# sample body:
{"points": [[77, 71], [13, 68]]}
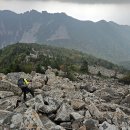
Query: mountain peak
{"points": [[7, 12], [102, 21]]}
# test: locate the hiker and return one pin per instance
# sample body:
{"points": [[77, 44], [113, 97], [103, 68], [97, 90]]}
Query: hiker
{"points": [[23, 84], [46, 80]]}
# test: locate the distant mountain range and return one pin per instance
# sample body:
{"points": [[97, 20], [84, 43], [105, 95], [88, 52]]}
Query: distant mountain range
{"points": [[102, 39]]}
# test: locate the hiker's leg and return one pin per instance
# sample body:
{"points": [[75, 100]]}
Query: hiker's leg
{"points": [[31, 91], [24, 95], [17, 103], [46, 80]]}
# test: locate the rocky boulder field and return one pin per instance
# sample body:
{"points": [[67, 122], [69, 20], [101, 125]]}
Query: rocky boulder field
{"points": [[90, 103]]}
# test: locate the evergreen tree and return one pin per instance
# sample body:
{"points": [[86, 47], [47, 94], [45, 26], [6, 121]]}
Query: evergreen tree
{"points": [[84, 67]]}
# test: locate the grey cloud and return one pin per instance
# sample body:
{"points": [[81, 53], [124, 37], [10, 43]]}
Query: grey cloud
{"points": [[90, 1]]}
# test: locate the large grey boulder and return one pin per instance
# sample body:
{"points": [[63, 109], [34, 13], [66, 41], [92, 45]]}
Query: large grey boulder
{"points": [[91, 124], [48, 124], [38, 80], [89, 88], [8, 86], [66, 125], [72, 94], [57, 128], [120, 118], [13, 77], [4, 115], [8, 103], [31, 120], [44, 104], [91, 97], [63, 113], [55, 93], [126, 101], [76, 125], [87, 115], [77, 104], [50, 105], [35, 102], [36, 85], [106, 126], [22, 108], [4, 94], [16, 120], [76, 116], [95, 112]]}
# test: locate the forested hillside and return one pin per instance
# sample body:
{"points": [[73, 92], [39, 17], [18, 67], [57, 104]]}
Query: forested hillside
{"points": [[29, 57]]}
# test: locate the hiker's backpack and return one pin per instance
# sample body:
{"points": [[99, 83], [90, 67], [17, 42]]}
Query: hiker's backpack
{"points": [[21, 82]]}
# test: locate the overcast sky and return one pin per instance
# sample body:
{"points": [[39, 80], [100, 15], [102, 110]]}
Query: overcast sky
{"points": [[94, 10]]}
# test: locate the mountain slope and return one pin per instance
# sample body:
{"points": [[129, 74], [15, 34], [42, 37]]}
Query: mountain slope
{"points": [[103, 39], [29, 57]]}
